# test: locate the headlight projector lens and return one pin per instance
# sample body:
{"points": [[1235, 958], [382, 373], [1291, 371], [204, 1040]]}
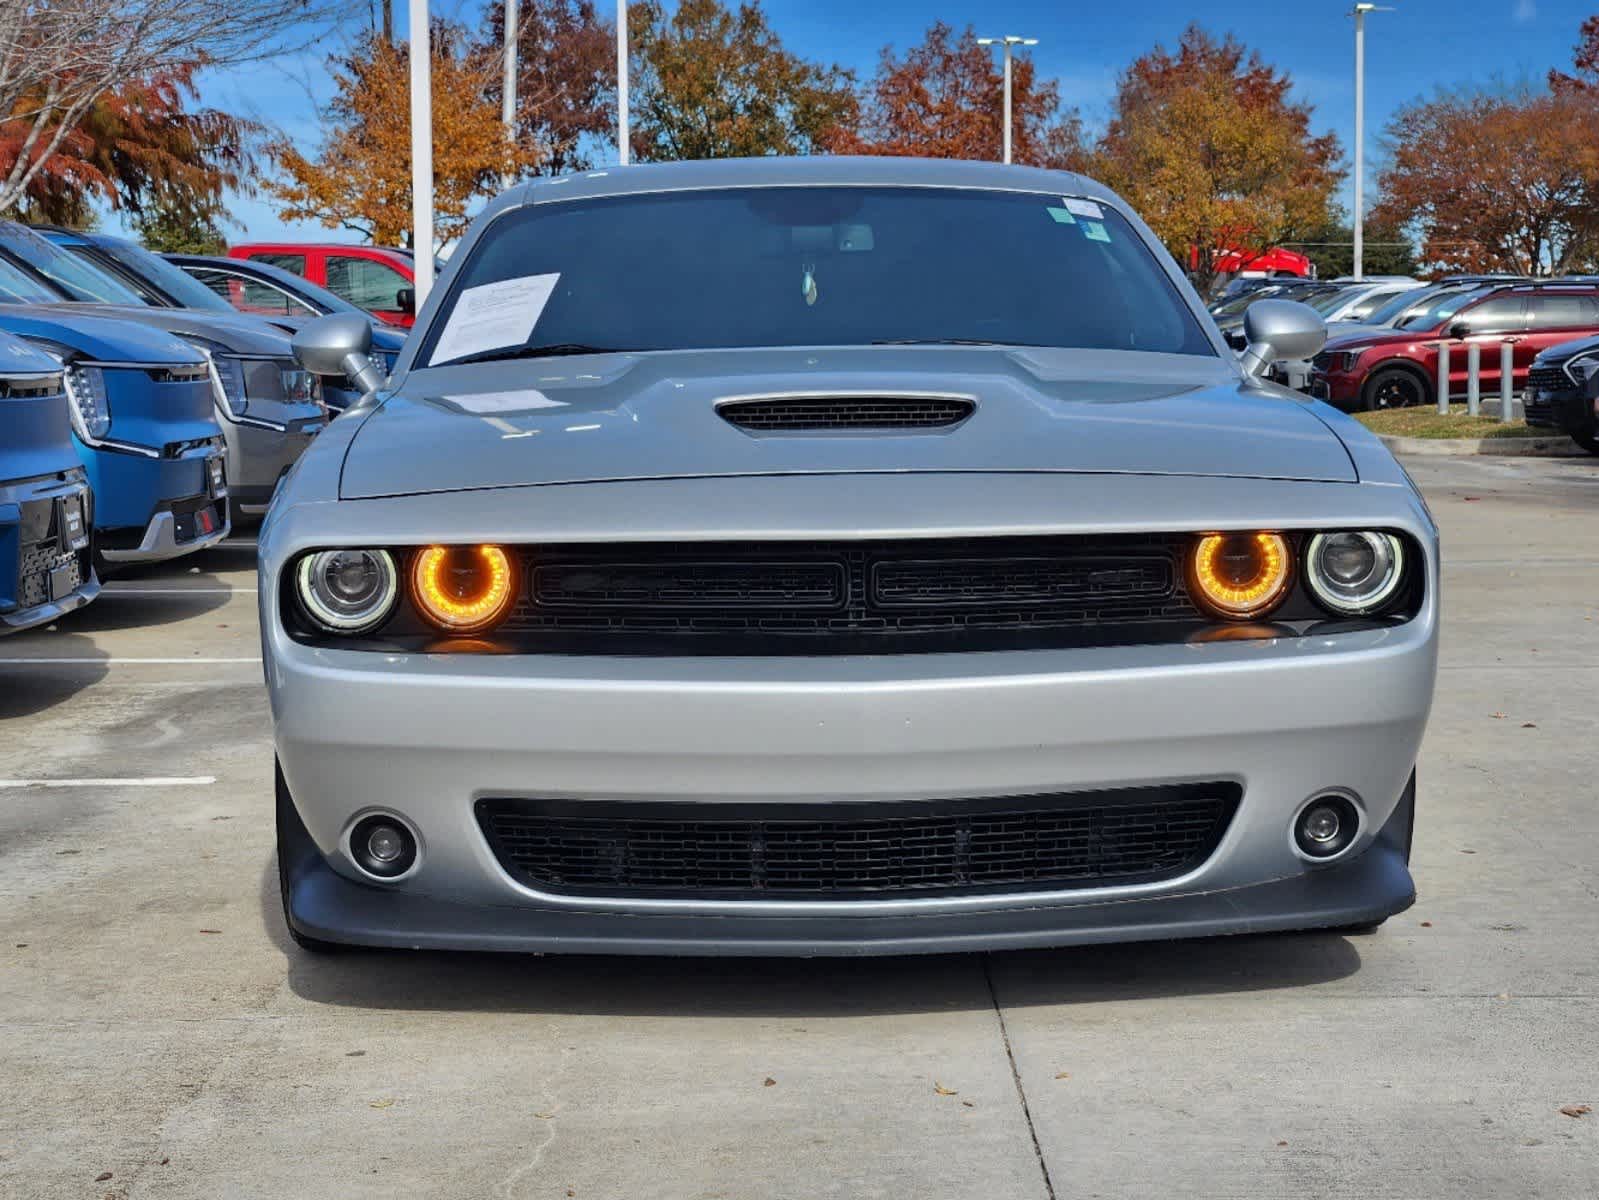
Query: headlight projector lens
{"points": [[1354, 572], [1326, 827], [1241, 576], [463, 589], [348, 591]]}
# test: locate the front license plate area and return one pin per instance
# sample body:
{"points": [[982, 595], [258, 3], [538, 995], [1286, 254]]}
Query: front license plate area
{"points": [[63, 580], [74, 534]]}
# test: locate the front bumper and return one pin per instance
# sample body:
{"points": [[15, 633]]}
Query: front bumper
{"points": [[46, 570], [258, 456], [1570, 409]]}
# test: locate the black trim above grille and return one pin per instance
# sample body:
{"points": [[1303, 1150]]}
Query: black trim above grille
{"points": [[853, 850], [800, 414]]}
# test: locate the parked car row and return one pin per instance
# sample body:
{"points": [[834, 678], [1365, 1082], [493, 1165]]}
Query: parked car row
{"points": [[142, 413]]}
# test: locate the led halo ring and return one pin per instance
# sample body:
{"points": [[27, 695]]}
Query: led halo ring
{"points": [[322, 611], [1220, 589], [442, 602], [1384, 547]]}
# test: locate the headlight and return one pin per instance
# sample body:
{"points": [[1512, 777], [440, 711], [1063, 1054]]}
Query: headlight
{"points": [[227, 379], [348, 591], [1583, 368], [1240, 576], [91, 407], [463, 589], [1354, 572]]}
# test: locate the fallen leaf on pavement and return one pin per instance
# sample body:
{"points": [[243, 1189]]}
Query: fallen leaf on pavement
{"points": [[768, 1082], [1570, 1110], [1468, 852], [1426, 924], [1499, 716], [210, 931], [1282, 1143], [355, 1054], [545, 1116], [942, 1090], [380, 1103], [104, 1175], [968, 1104], [1528, 725], [1063, 1074]]}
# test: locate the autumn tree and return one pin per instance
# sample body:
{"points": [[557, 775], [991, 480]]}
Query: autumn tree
{"points": [[59, 59], [943, 99], [565, 79], [1585, 63], [1496, 182], [361, 179], [1205, 143], [140, 149], [714, 82]]}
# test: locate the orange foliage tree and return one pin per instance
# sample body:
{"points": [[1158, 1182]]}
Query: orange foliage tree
{"points": [[361, 178], [943, 99], [1206, 145], [1502, 182]]}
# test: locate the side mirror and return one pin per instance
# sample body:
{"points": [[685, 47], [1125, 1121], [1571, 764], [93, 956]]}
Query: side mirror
{"points": [[1280, 331], [1459, 329], [405, 300], [340, 344]]}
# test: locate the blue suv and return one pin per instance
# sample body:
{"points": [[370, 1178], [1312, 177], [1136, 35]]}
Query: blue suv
{"points": [[46, 508], [143, 421]]}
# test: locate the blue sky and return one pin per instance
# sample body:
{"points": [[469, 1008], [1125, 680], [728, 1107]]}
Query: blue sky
{"points": [[1410, 52]]}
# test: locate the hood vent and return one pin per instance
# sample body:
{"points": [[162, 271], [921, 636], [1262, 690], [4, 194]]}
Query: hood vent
{"points": [[824, 414]]}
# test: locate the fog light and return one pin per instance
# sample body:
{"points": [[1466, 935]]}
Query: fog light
{"points": [[383, 846], [1326, 827]]}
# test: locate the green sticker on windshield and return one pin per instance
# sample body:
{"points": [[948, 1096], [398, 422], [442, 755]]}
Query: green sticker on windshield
{"points": [[1062, 215], [1095, 231]]}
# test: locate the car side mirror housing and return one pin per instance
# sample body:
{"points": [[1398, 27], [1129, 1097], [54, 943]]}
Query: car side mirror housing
{"points": [[339, 344], [1460, 329], [1280, 331], [405, 300]]}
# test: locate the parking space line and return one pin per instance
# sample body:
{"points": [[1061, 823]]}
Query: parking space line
{"points": [[178, 591], [121, 662], [137, 781]]}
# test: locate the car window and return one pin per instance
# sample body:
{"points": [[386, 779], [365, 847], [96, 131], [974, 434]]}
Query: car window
{"points": [[284, 262], [78, 279], [249, 294], [139, 263], [365, 282], [793, 266], [1564, 312], [1367, 305], [1436, 309], [1497, 314], [19, 287]]}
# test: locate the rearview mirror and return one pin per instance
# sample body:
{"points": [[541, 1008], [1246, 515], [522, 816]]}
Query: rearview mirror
{"points": [[340, 344], [1280, 331], [405, 300], [1460, 329]]}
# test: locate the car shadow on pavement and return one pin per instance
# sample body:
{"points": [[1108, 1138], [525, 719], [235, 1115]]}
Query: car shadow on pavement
{"points": [[430, 981], [26, 689]]}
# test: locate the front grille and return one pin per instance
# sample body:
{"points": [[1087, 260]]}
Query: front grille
{"points": [[837, 851], [44, 550], [1322, 362], [793, 414], [186, 373], [1548, 379], [842, 597]]}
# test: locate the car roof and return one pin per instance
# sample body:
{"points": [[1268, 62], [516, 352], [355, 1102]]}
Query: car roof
{"points": [[812, 171]]}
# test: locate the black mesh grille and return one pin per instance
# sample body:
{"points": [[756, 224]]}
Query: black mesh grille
{"points": [[1548, 379], [793, 414], [44, 550], [848, 596], [829, 851]]}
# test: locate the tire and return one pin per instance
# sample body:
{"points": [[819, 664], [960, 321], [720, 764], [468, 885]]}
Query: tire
{"points": [[1588, 441], [1393, 387], [288, 821]]}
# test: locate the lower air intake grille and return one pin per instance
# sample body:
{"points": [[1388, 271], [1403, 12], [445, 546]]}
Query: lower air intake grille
{"points": [[1548, 379], [832, 851], [805, 413]]}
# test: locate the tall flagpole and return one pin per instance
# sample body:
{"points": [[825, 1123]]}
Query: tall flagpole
{"points": [[421, 148], [621, 82]]}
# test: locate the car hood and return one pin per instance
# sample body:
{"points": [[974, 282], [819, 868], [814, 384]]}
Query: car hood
{"points": [[1562, 351], [1359, 336], [81, 328], [242, 334], [654, 416]]}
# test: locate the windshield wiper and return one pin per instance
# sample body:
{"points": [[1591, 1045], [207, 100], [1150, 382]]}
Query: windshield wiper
{"points": [[949, 342], [558, 350]]}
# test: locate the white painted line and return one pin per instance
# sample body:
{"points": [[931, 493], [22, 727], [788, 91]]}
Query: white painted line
{"points": [[178, 591], [143, 781], [120, 662]]}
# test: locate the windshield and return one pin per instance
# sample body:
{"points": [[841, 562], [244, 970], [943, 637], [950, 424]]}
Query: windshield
{"points": [[809, 266], [1239, 303], [78, 279], [1437, 309], [19, 287], [1403, 303], [1325, 303], [186, 290]]}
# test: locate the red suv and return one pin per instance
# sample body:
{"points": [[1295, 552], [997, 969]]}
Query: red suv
{"points": [[375, 278], [1398, 367]]}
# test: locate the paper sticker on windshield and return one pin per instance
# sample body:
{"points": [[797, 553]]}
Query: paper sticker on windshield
{"points": [[499, 403], [1062, 215], [1095, 231], [493, 317], [1084, 208]]}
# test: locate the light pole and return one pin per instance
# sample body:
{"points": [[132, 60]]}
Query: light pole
{"points": [[1360, 11], [508, 87], [621, 82], [1007, 41], [421, 149]]}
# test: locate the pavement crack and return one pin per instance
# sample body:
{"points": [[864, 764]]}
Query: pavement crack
{"points": [[1016, 1078]]}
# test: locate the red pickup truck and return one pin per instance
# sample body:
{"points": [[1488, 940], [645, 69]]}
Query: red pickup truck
{"points": [[1398, 367], [376, 278]]}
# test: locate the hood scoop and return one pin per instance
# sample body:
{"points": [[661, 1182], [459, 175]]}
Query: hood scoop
{"points": [[834, 413]]}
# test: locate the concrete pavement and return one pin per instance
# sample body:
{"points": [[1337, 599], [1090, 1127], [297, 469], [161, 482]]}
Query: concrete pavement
{"points": [[157, 1025]]}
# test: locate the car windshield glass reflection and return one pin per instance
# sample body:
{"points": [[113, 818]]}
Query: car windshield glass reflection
{"points": [[1441, 309], [815, 266]]}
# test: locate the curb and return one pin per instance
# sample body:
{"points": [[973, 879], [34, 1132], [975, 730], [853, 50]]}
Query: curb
{"points": [[1523, 447]]}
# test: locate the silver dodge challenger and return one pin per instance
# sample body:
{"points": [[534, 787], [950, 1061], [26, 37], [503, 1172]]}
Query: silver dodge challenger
{"points": [[837, 556]]}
